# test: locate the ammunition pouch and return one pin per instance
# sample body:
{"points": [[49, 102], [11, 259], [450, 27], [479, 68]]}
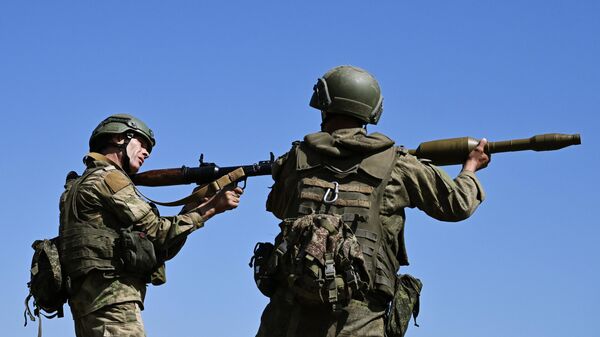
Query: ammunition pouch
{"points": [[264, 263], [136, 253], [321, 261], [405, 304]]}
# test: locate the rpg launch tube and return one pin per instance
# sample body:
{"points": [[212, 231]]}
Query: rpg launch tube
{"points": [[199, 175], [454, 151], [176, 176]]}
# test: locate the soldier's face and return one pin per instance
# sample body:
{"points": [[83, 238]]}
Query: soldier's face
{"points": [[137, 151]]}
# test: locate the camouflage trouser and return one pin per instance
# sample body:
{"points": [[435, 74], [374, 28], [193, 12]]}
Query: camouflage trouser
{"points": [[122, 319], [282, 319]]}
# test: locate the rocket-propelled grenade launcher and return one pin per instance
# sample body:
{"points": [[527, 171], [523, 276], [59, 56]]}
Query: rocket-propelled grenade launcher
{"points": [[453, 151], [203, 174]]}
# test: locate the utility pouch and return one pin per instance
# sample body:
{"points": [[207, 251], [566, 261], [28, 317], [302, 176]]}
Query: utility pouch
{"points": [[159, 275], [46, 285], [136, 253], [264, 268], [404, 305]]}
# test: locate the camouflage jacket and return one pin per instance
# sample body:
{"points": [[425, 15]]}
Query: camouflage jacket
{"points": [[108, 198], [413, 183]]}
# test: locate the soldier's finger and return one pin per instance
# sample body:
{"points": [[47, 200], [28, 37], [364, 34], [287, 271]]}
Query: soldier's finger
{"points": [[481, 145]]}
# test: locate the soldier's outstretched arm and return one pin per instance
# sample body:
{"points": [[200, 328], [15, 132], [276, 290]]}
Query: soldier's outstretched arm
{"points": [[420, 184]]}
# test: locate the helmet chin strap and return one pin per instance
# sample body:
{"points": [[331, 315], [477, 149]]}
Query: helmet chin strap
{"points": [[125, 159]]}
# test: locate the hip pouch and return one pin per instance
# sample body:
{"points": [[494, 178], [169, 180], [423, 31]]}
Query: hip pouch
{"points": [[264, 264], [404, 305], [136, 253]]}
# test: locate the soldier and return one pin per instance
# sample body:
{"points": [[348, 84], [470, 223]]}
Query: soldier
{"points": [[113, 242], [349, 185]]}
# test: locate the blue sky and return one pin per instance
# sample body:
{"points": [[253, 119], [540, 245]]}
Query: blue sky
{"points": [[232, 80]]}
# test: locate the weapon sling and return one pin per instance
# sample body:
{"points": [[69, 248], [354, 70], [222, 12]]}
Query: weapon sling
{"points": [[205, 190]]}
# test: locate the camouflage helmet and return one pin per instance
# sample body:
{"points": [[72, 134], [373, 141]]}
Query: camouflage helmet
{"points": [[118, 124], [349, 91]]}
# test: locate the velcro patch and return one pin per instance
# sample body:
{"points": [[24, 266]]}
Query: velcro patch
{"points": [[116, 181]]}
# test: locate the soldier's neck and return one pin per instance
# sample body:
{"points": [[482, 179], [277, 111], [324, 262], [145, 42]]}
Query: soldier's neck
{"points": [[332, 124], [114, 156]]}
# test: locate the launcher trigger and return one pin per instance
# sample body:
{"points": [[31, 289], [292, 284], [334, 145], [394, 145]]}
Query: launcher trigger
{"points": [[237, 183]]}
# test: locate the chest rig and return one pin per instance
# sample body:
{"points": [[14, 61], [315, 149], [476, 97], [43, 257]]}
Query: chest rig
{"points": [[101, 242], [352, 189], [84, 245]]}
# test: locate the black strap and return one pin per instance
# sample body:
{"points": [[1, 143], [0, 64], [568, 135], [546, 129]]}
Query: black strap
{"points": [[37, 313]]}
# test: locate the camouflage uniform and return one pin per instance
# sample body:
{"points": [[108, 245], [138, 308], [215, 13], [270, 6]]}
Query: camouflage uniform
{"points": [[103, 301], [412, 183]]}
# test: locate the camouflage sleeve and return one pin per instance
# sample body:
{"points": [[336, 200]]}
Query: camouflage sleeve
{"points": [[124, 202], [427, 187], [283, 173]]}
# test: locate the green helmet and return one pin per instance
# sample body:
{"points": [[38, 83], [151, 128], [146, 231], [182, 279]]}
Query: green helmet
{"points": [[349, 91], [118, 124]]}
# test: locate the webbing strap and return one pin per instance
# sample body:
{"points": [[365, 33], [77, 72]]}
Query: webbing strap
{"points": [[206, 190], [342, 187], [363, 233], [330, 278], [339, 202], [33, 316], [93, 232]]}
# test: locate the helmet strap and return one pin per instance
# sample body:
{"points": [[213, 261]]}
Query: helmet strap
{"points": [[123, 146], [323, 100]]}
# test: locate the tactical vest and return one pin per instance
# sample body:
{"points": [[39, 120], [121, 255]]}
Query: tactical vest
{"points": [[351, 187], [84, 246]]}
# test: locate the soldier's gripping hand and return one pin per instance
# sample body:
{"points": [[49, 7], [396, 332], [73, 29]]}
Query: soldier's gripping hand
{"points": [[477, 159], [226, 199]]}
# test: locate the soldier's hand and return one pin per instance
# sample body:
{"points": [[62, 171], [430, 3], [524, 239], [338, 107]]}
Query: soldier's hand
{"points": [[224, 200], [227, 199], [477, 159]]}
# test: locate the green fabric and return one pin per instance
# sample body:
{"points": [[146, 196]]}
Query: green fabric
{"points": [[264, 264], [98, 208], [123, 319], [363, 177], [405, 305], [324, 262], [85, 249], [347, 142], [136, 253], [412, 184], [357, 318], [46, 284]]}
